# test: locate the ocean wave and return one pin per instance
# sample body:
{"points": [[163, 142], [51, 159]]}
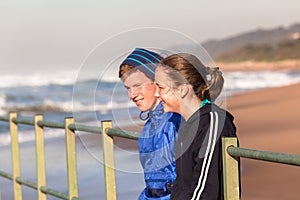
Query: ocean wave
{"points": [[247, 80], [236, 82], [37, 79], [28, 135], [62, 107], [43, 79], [2, 104], [108, 96]]}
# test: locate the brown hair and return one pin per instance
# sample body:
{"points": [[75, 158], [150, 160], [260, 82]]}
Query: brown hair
{"points": [[125, 71], [207, 82]]}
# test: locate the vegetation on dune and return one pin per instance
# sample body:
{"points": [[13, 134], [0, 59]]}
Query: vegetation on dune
{"points": [[289, 49]]}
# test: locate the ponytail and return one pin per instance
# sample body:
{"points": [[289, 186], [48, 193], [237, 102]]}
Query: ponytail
{"points": [[214, 84]]}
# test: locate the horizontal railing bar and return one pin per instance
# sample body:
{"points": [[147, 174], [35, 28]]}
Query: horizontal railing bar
{"points": [[51, 124], [122, 133], [91, 129], [78, 127], [5, 119], [110, 131], [6, 175], [54, 193], [26, 183], [23, 121], [282, 158], [34, 186]]}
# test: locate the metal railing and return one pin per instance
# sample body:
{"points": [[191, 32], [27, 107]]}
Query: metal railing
{"points": [[70, 127], [231, 153]]}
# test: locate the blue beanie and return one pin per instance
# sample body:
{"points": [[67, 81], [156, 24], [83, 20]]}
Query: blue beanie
{"points": [[143, 60]]}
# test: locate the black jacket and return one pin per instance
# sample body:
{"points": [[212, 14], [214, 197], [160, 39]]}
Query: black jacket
{"points": [[199, 154]]}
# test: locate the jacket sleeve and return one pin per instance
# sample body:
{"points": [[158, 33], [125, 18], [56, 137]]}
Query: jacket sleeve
{"points": [[206, 172], [206, 177]]}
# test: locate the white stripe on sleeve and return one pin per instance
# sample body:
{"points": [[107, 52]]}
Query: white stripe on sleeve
{"points": [[213, 131]]}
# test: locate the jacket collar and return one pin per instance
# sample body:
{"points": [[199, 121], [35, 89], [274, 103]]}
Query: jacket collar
{"points": [[157, 112], [206, 110]]}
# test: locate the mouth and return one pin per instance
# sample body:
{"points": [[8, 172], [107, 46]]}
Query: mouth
{"points": [[138, 101]]}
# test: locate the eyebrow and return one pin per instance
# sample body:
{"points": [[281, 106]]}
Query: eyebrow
{"points": [[156, 83], [160, 85]]}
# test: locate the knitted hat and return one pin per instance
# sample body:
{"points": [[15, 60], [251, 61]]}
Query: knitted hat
{"points": [[143, 60]]}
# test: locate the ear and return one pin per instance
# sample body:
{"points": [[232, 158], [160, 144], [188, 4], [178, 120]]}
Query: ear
{"points": [[183, 90]]}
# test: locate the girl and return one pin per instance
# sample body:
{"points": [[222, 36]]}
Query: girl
{"points": [[189, 88]]}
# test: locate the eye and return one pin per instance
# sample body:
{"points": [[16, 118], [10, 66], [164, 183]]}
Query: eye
{"points": [[137, 85], [158, 85], [161, 87]]}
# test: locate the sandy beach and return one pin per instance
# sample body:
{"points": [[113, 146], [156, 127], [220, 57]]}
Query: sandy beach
{"points": [[267, 119]]}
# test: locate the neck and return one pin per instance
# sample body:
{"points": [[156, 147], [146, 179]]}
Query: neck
{"points": [[155, 105], [190, 107]]}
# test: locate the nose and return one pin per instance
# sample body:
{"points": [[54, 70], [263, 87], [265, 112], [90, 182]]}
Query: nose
{"points": [[156, 94]]}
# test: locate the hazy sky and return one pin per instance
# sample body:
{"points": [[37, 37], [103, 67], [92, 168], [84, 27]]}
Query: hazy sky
{"points": [[57, 34]]}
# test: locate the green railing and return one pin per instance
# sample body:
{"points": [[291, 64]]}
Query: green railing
{"points": [[231, 152], [70, 127]]}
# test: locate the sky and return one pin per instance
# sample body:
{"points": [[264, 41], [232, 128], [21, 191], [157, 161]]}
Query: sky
{"points": [[44, 36]]}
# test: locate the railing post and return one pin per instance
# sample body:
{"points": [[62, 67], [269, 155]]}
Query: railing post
{"points": [[109, 165], [15, 152], [40, 157], [230, 170], [71, 159]]}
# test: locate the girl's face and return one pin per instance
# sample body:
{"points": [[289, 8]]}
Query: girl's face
{"points": [[141, 90], [167, 93]]}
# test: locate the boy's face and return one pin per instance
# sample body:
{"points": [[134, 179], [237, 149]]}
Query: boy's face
{"points": [[141, 91]]}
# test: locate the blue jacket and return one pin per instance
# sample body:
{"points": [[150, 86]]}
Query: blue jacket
{"points": [[157, 143]]}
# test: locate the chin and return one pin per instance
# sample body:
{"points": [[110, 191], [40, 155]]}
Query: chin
{"points": [[143, 108], [166, 109]]}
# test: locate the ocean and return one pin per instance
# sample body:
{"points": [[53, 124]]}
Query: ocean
{"points": [[90, 101]]}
